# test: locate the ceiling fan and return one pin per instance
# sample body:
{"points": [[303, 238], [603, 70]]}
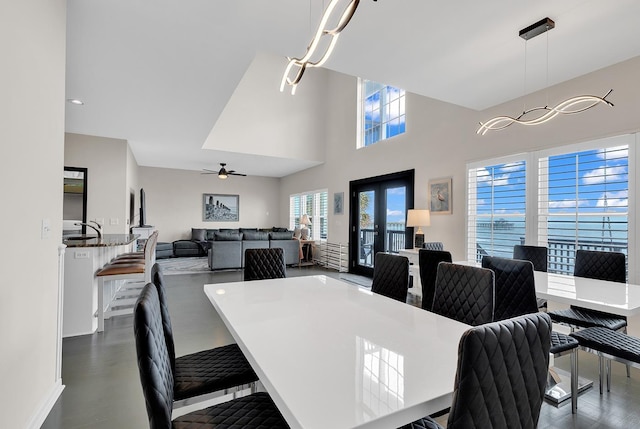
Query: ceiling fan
{"points": [[223, 173]]}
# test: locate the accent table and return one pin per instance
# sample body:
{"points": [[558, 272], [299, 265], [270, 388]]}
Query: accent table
{"points": [[334, 355]]}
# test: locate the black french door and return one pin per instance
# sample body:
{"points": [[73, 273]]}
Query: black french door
{"points": [[378, 214]]}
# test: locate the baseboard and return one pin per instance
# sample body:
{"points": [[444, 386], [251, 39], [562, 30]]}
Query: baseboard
{"points": [[37, 420]]}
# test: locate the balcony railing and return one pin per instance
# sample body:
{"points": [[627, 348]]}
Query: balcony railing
{"points": [[393, 243], [562, 252]]}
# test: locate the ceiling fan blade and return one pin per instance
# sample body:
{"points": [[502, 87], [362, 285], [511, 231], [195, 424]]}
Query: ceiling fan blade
{"points": [[235, 174]]}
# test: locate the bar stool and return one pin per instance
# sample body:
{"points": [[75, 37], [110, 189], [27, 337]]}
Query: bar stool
{"points": [[125, 271]]}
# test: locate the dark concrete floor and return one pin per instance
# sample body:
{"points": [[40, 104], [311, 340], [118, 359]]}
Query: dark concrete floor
{"points": [[103, 386]]}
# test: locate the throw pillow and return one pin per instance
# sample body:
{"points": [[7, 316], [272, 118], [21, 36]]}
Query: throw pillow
{"points": [[228, 236], [198, 234], [255, 235], [281, 235], [211, 234]]}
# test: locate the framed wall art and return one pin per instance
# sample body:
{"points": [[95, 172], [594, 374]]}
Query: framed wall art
{"points": [[440, 196], [220, 208], [338, 203]]}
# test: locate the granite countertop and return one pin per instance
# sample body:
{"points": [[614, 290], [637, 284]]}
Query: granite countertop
{"points": [[88, 240]]}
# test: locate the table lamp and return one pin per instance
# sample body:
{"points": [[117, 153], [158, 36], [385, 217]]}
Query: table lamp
{"points": [[304, 223], [418, 218]]}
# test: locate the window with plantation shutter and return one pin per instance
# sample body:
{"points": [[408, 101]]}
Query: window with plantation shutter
{"points": [[583, 200], [314, 205], [496, 208]]}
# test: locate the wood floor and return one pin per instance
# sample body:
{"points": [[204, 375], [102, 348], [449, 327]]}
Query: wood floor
{"points": [[103, 386]]}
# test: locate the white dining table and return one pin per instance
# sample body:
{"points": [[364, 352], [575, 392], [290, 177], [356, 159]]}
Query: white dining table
{"points": [[335, 355], [618, 298]]}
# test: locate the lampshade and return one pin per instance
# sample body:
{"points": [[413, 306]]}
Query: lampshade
{"points": [[416, 217], [304, 220]]}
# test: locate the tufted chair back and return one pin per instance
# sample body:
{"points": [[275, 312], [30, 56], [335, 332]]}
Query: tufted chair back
{"points": [[391, 276], [157, 278], [502, 374], [433, 245], [515, 287], [464, 293], [599, 265], [260, 264], [536, 254], [429, 260], [154, 364]]}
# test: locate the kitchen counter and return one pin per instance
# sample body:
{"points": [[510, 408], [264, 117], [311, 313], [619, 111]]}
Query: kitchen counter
{"points": [[87, 240], [83, 258]]}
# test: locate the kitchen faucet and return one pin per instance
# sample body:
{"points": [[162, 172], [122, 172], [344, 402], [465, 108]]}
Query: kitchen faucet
{"points": [[97, 228]]}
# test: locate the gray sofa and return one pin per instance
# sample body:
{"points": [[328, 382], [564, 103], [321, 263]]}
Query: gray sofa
{"points": [[226, 250]]}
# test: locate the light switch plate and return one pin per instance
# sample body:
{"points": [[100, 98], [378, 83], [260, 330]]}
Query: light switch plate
{"points": [[46, 229]]}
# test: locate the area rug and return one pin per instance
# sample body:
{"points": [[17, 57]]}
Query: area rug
{"points": [[194, 265]]}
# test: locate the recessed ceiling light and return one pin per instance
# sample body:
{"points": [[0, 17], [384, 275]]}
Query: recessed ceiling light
{"points": [[75, 101]]}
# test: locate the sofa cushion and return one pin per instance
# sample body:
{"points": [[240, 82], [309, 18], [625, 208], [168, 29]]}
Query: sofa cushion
{"points": [[211, 234], [198, 234], [255, 235], [278, 229], [229, 229], [281, 235], [248, 229], [228, 236]]}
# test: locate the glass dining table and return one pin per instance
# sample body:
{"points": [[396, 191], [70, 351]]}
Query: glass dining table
{"points": [[334, 355]]}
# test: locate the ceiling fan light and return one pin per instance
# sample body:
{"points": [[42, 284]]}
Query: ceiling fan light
{"points": [[222, 176]]}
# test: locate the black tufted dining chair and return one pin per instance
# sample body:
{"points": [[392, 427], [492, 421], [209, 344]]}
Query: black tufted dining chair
{"points": [[516, 295], [261, 264], [464, 293], [594, 264], [538, 255], [201, 373], [433, 245], [391, 276], [154, 364], [501, 376], [428, 261], [598, 265]]}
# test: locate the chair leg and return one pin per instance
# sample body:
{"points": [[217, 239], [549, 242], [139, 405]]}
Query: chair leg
{"points": [[628, 366], [608, 375], [601, 371], [101, 304], [574, 380]]}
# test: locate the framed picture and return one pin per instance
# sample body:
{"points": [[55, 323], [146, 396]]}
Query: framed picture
{"points": [[440, 196], [338, 203], [220, 208]]}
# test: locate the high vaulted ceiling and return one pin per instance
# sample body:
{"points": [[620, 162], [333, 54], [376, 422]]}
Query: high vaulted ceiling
{"points": [[160, 73]]}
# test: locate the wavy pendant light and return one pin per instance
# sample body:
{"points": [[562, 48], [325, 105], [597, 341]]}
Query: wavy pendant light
{"points": [[299, 65], [544, 114]]}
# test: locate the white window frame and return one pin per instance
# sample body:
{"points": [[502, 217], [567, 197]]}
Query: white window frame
{"points": [[383, 112], [471, 196], [532, 233], [316, 213]]}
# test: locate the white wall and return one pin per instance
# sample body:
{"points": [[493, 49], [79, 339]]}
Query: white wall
{"points": [[259, 119], [32, 70], [131, 185], [107, 163], [174, 201], [441, 139]]}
